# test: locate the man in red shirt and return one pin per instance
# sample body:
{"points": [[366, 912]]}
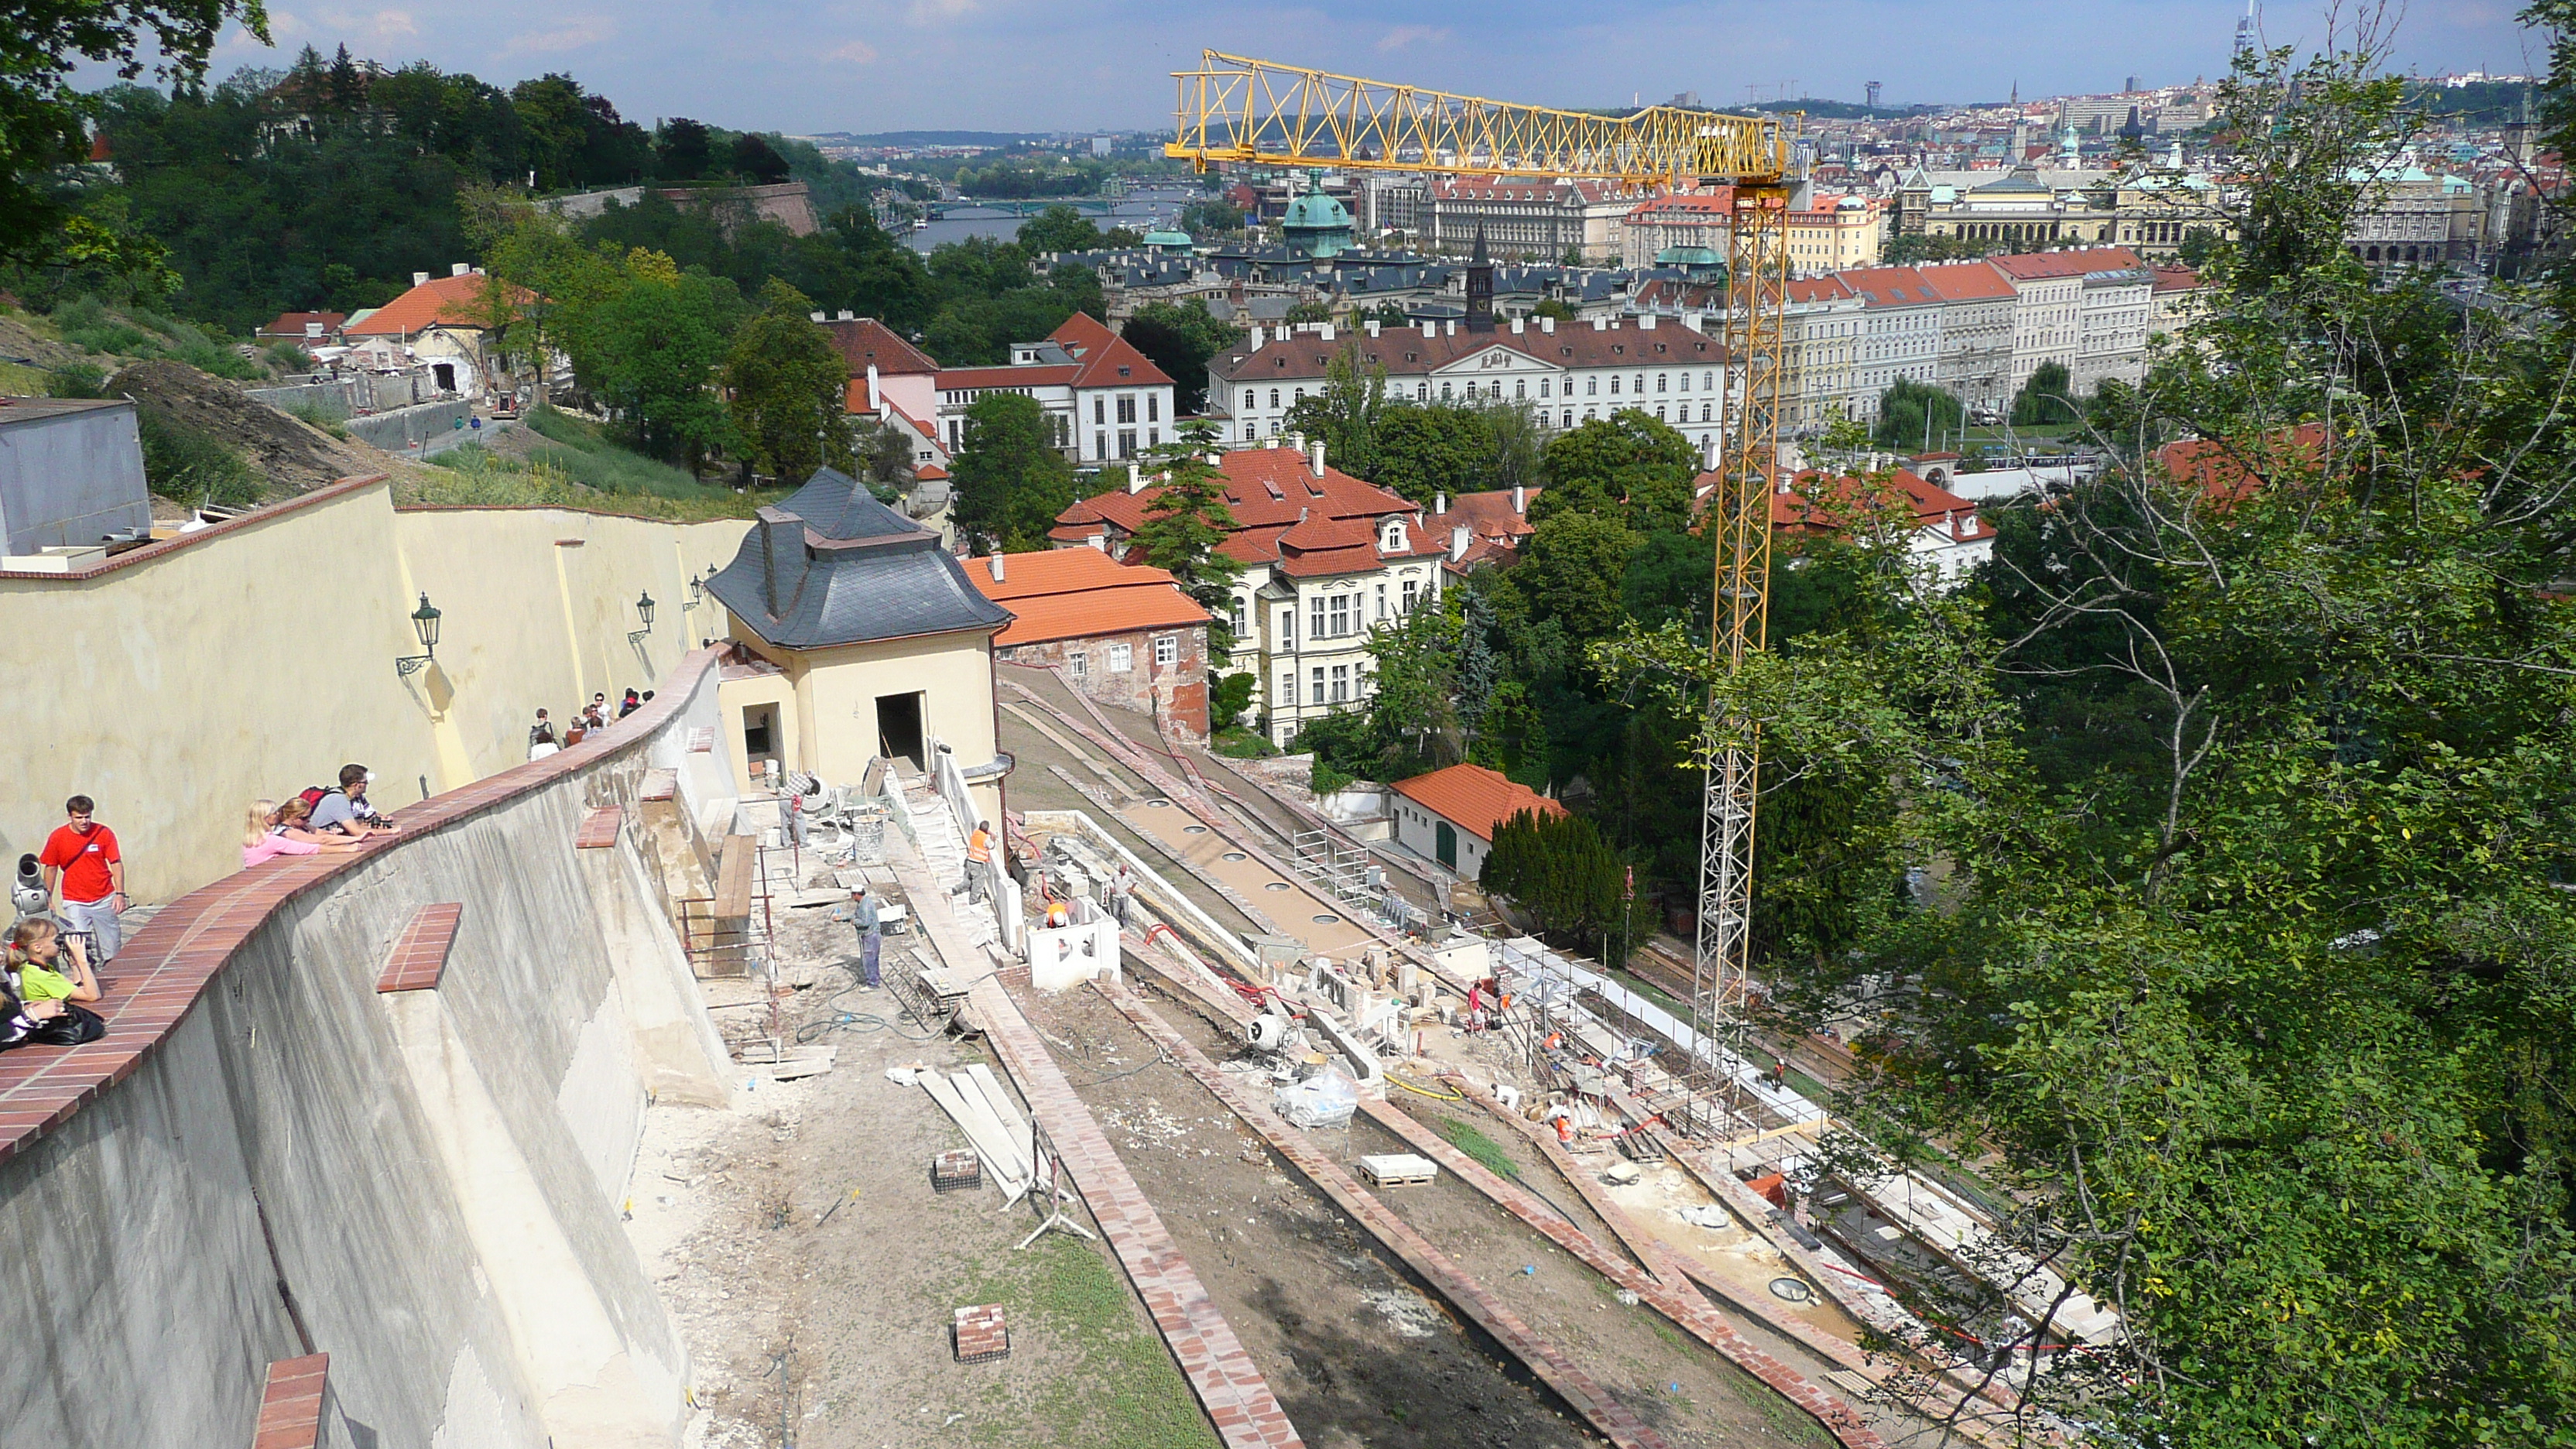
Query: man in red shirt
{"points": [[87, 876]]}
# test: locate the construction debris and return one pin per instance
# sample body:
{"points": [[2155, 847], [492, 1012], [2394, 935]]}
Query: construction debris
{"points": [[980, 1334], [950, 1171]]}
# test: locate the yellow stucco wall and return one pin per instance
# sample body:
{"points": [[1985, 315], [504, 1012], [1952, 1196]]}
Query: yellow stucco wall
{"points": [[835, 729], [259, 659]]}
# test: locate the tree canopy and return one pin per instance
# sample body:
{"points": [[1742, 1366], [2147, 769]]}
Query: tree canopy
{"points": [[1010, 480]]}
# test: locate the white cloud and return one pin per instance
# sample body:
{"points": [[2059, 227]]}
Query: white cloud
{"points": [[932, 12], [394, 22], [857, 52], [1404, 35], [573, 34]]}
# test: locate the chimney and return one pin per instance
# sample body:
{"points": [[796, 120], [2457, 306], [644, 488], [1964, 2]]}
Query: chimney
{"points": [[1302, 511], [846, 315], [1271, 442], [1458, 537], [875, 398], [1324, 332], [1257, 336], [996, 561], [1440, 502], [1135, 479], [1430, 329], [1547, 325], [459, 269], [1099, 542], [782, 547], [1600, 324], [420, 279], [1450, 327], [1372, 329], [1318, 454], [817, 317], [1646, 323], [1520, 498], [1519, 325]]}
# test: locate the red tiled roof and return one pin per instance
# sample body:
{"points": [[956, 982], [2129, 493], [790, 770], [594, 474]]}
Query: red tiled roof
{"points": [[865, 340], [290, 325], [1073, 593], [1271, 492], [1817, 289], [1889, 286], [1717, 201], [1808, 506], [1474, 799], [2176, 279], [1966, 282], [1485, 516], [2226, 471], [440, 302], [1107, 359], [2038, 266]]}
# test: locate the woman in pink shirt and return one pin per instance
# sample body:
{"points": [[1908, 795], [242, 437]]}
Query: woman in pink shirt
{"points": [[264, 838]]}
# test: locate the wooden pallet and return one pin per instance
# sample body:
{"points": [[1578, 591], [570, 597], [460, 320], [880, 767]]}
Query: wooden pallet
{"points": [[1397, 1169]]}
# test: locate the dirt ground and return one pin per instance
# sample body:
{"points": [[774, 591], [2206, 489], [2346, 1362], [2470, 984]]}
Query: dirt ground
{"points": [[293, 455], [1358, 1352], [814, 1272]]}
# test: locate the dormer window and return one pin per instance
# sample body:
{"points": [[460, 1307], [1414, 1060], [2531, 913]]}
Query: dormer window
{"points": [[1391, 538]]}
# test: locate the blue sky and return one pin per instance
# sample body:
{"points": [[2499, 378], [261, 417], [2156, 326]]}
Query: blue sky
{"points": [[878, 65]]}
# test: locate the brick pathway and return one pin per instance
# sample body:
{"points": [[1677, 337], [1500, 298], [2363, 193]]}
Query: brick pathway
{"points": [[1237, 1397], [1577, 1388]]}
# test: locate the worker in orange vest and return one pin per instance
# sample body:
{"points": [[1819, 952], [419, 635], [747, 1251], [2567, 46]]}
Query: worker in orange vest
{"points": [[979, 861]]}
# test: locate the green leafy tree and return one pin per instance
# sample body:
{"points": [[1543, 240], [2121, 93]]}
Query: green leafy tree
{"points": [[1229, 699], [1421, 450], [650, 347], [1345, 413], [682, 150], [41, 115], [1186, 522], [1203, 218], [2046, 399], [1910, 411], [1009, 479], [1627, 464], [756, 161], [1557, 308], [2241, 785], [1570, 572], [1558, 868], [789, 390], [1179, 338], [1059, 229], [881, 456]]}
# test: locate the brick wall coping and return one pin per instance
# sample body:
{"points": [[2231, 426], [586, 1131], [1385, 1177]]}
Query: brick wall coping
{"points": [[155, 981], [290, 1406]]}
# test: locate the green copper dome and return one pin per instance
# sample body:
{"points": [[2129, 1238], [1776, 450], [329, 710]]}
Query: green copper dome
{"points": [[1316, 224]]}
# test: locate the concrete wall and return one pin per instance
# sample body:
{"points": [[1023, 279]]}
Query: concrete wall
{"points": [[398, 431], [184, 680], [367, 392], [438, 1171], [72, 477]]}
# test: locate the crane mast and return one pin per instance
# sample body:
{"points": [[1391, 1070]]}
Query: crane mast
{"points": [[1235, 109]]}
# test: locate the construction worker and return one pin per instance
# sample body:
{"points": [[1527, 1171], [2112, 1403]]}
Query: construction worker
{"points": [[979, 861], [870, 924], [1058, 914]]}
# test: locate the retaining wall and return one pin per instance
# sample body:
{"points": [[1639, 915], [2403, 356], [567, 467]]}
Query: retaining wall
{"points": [[268, 1156], [178, 682]]}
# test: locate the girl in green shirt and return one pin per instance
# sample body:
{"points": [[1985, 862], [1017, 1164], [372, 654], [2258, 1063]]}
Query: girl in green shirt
{"points": [[36, 956]]}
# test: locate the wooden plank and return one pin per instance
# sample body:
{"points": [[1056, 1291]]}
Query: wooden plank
{"points": [[733, 877]]}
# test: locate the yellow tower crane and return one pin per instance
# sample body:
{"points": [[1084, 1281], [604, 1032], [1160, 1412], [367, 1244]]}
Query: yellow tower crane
{"points": [[1234, 109]]}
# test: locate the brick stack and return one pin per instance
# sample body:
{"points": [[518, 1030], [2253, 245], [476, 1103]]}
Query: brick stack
{"points": [[950, 1171], [982, 1337]]}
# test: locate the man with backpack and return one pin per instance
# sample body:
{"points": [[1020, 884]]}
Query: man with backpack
{"points": [[86, 875], [345, 811]]}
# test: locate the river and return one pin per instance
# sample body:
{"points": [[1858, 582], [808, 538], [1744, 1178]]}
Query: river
{"points": [[960, 222]]}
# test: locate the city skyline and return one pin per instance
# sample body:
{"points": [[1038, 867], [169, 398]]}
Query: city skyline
{"points": [[1005, 65]]}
